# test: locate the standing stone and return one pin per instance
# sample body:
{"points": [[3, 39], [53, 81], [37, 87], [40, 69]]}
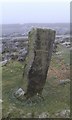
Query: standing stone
{"points": [[39, 57]]}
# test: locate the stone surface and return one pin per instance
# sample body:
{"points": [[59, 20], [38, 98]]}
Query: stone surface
{"points": [[40, 51], [55, 47]]}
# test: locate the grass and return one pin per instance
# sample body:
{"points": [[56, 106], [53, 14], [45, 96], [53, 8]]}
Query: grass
{"points": [[56, 97]]}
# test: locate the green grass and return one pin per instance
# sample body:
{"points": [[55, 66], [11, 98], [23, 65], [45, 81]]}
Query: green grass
{"points": [[65, 53], [56, 97]]}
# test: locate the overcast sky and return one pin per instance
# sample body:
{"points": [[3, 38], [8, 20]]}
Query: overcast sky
{"points": [[35, 12]]}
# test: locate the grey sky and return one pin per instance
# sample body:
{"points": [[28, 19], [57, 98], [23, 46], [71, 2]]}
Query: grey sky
{"points": [[35, 12]]}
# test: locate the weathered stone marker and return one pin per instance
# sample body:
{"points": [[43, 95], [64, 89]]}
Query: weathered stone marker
{"points": [[39, 57]]}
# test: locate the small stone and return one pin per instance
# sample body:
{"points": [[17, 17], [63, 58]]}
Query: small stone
{"points": [[44, 115], [20, 92], [3, 63], [63, 114], [23, 116], [1, 101], [64, 81], [11, 71], [29, 114], [58, 53]]}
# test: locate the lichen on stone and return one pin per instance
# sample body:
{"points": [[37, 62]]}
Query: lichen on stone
{"points": [[38, 59]]}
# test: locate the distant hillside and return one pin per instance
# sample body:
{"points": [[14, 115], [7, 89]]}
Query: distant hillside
{"points": [[23, 29]]}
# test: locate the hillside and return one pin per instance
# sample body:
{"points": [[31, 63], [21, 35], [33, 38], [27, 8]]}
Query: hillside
{"points": [[56, 94]]}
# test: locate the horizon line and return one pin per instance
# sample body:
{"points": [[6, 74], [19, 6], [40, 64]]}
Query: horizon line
{"points": [[36, 23]]}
